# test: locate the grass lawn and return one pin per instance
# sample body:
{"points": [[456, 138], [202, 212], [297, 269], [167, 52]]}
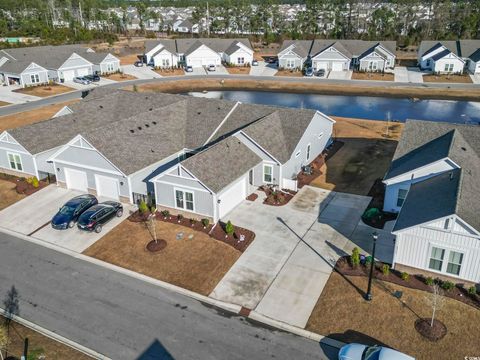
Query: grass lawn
{"points": [[128, 59], [29, 117], [447, 78], [38, 343], [119, 77], [197, 264], [372, 76], [170, 72], [8, 194], [364, 157], [3, 103], [45, 90], [289, 73], [342, 313], [238, 70]]}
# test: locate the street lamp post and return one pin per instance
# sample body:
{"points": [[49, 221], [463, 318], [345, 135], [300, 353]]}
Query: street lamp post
{"points": [[368, 295]]}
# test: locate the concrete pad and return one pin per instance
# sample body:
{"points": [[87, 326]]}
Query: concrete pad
{"points": [[144, 72], [77, 240], [362, 238], [340, 75], [35, 210], [197, 71], [263, 69], [8, 95], [475, 78], [400, 74], [219, 70], [415, 75]]}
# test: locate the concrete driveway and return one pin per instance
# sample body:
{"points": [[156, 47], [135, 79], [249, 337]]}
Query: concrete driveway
{"points": [[283, 272], [144, 72], [31, 216], [8, 95], [401, 74], [263, 69], [92, 85], [340, 75]]}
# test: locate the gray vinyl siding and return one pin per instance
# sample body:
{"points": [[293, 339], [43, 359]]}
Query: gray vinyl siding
{"points": [[42, 164], [318, 125], [372, 57], [282, 61], [103, 66], [26, 76], [75, 62], [91, 177], [26, 158], [330, 55], [165, 194], [81, 156]]}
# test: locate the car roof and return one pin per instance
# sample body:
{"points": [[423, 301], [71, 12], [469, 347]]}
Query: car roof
{"points": [[78, 199]]}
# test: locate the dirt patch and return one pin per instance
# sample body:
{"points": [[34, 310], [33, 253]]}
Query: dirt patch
{"points": [[238, 70], [38, 344], [196, 263], [342, 313], [8, 193], [119, 77], [170, 72], [366, 129], [290, 73], [128, 59], [3, 103], [313, 87], [29, 117], [372, 76], [44, 91], [465, 79]]}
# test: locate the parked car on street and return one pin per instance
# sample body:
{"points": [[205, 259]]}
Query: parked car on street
{"points": [[211, 67], [320, 73], [138, 63], [81, 80], [93, 77], [364, 352], [69, 213], [95, 217], [308, 72], [254, 63], [188, 68]]}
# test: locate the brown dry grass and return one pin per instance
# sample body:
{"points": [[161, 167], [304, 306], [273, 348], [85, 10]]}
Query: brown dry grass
{"points": [[170, 72], [52, 349], [464, 79], [8, 194], [373, 76], [45, 90], [364, 157], [312, 87], [3, 103], [197, 264], [342, 313], [29, 117], [289, 73], [239, 70], [119, 77], [128, 59]]}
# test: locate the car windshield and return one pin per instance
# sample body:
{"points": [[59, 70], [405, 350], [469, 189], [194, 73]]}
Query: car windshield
{"points": [[371, 353], [66, 210]]}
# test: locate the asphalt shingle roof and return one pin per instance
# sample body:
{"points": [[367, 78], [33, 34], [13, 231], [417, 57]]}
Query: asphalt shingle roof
{"points": [[14, 67], [168, 44], [424, 142], [186, 46], [461, 48], [301, 47]]}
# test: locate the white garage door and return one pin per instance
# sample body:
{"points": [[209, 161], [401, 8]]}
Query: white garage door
{"points": [[107, 187], [82, 72], [232, 197], [76, 180], [322, 65], [69, 75], [210, 61], [195, 62], [336, 66]]}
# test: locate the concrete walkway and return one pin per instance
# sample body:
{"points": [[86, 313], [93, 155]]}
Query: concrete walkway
{"points": [[283, 272]]}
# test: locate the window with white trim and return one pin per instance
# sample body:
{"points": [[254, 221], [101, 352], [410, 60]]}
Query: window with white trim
{"points": [[240, 61], [290, 63], [308, 152], [267, 173], [436, 259], [15, 162], [184, 200], [165, 62], [448, 67], [402, 194], [34, 78], [455, 260]]}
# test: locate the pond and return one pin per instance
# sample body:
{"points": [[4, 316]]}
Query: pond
{"points": [[363, 107]]}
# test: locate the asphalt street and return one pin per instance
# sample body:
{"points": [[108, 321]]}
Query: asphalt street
{"points": [[125, 318]]}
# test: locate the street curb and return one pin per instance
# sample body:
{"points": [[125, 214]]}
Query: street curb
{"points": [[295, 330], [55, 336]]}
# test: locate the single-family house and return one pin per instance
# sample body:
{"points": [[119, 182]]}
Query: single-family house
{"points": [[108, 144], [161, 53], [183, 26], [62, 63], [294, 53], [433, 185], [330, 56]]}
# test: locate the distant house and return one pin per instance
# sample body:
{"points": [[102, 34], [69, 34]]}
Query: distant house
{"points": [[338, 55], [433, 184], [39, 64], [183, 26], [161, 53], [450, 56]]}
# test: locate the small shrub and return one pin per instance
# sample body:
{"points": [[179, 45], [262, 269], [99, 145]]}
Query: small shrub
{"points": [[472, 290], [229, 229], [355, 257], [153, 209], [368, 260], [165, 213], [405, 276], [35, 183], [142, 207], [429, 281], [386, 269], [447, 285], [179, 217], [205, 222], [192, 221], [29, 180]]}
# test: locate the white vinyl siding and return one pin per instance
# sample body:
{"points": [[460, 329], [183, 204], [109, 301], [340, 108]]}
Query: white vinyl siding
{"points": [[455, 260], [436, 259], [15, 162], [448, 67]]}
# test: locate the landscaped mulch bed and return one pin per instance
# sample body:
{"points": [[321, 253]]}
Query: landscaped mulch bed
{"points": [[252, 197], [218, 232], [170, 72], [278, 197], [372, 76], [432, 333], [289, 73], [459, 293], [23, 186], [238, 70], [155, 246]]}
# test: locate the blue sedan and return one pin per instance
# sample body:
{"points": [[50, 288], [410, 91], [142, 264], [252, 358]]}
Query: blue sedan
{"points": [[69, 213]]}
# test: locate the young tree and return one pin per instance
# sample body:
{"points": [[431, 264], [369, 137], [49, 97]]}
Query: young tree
{"points": [[435, 300]]}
